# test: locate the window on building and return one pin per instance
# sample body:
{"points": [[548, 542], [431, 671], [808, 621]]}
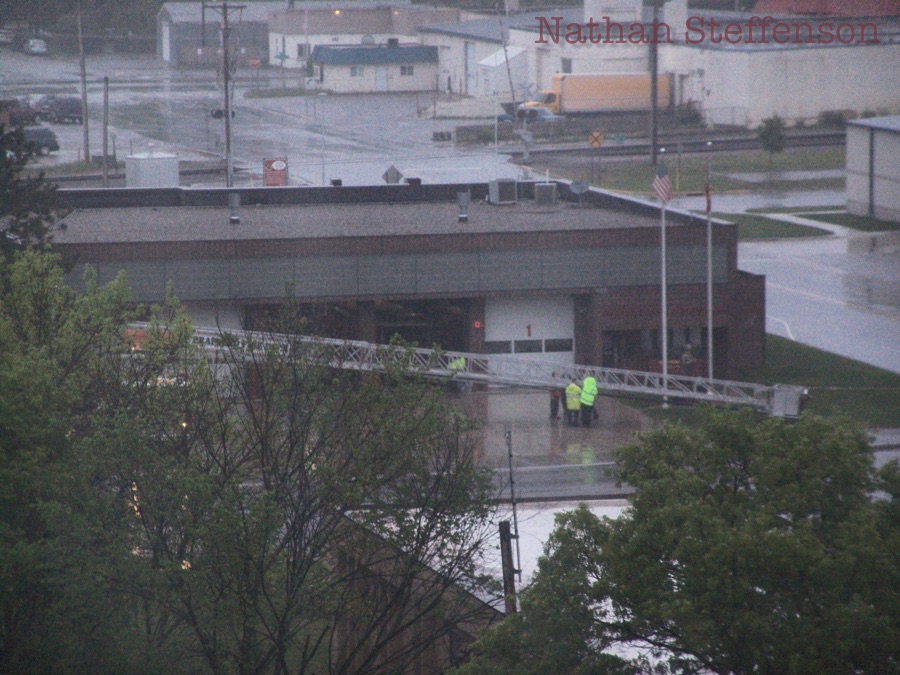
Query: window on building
{"points": [[406, 70], [356, 71], [567, 65], [558, 345], [498, 347], [527, 346], [302, 51]]}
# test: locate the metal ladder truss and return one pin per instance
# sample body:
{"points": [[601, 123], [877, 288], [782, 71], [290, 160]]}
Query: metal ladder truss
{"points": [[775, 400]]}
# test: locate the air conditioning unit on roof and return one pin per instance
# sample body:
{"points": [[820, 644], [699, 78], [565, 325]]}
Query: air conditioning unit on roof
{"points": [[503, 192], [545, 194]]}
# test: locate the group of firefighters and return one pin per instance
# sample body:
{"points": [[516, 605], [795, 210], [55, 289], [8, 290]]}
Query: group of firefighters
{"points": [[580, 399]]}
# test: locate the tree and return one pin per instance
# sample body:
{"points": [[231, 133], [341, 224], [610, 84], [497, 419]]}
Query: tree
{"points": [[28, 208], [51, 343], [747, 548], [293, 517], [261, 511], [771, 136]]}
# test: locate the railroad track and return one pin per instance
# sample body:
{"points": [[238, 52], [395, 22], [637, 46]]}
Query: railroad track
{"points": [[688, 145]]}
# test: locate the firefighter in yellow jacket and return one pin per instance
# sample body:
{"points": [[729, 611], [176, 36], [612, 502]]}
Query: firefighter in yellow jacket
{"points": [[588, 394], [573, 402]]}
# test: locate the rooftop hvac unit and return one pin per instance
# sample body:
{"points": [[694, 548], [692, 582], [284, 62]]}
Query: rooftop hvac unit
{"points": [[151, 170], [502, 192], [545, 194]]}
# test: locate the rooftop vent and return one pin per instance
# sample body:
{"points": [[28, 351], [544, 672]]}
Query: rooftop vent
{"points": [[234, 205], [462, 203], [545, 194], [503, 192]]}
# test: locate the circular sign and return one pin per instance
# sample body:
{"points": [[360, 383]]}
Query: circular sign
{"points": [[254, 62], [279, 165]]}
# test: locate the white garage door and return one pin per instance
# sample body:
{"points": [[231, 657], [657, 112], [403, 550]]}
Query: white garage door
{"points": [[535, 328]]}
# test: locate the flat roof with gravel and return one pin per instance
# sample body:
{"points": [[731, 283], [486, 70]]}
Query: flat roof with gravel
{"points": [[175, 223]]}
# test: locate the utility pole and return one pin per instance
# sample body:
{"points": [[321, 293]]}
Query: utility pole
{"points": [[106, 131], [84, 106], [226, 79], [233, 198], [509, 569], [654, 89]]}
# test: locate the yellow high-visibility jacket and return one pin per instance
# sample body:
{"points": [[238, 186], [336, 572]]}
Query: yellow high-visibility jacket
{"points": [[589, 391], [573, 397]]}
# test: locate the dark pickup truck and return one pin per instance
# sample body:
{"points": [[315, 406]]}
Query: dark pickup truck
{"points": [[40, 140], [60, 109]]}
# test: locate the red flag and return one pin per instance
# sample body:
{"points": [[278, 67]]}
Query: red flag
{"points": [[661, 185], [708, 191]]}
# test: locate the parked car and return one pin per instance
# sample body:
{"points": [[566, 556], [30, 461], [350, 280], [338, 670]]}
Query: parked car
{"points": [[16, 113], [40, 140], [35, 47], [54, 108]]}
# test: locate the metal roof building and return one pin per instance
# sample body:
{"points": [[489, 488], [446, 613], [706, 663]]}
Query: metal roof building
{"points": [[524, 273]]}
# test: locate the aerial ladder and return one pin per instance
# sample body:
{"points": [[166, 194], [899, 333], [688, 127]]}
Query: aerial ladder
{"points": [[777, 400]]}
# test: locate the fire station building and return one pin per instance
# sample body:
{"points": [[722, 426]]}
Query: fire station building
{"points": [[502, 268]]}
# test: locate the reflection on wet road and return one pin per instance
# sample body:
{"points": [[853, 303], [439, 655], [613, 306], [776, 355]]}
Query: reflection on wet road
{"points": [[831, 298]]}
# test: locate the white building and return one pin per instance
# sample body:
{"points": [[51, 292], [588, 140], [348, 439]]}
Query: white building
{"points": [[295, 33], [752, 75], [374, 69], [873, 167], [744, 84], [470, 50], [507, 67]]}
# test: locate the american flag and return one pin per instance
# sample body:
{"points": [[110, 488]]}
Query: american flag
{"points": [[661, 185]]}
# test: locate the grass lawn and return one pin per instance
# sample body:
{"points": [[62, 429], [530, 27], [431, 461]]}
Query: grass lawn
{"points": [[863, 223], [752, 227], [281, 92], [869, 396], [72, 168], [689, 174], [798, 209]]}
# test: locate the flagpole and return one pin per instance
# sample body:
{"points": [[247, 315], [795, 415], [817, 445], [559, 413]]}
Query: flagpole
{"points": [[663, 189], [665, 318], [709, 275]]}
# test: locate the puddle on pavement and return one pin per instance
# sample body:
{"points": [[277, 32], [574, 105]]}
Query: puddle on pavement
{"points": [[538, 440]]}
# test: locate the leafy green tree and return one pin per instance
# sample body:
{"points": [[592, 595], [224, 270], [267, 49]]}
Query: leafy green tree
{"points": [[771, 135], [259, 511], [290, 516], [747, 548], [28, 208], [51, 341]]}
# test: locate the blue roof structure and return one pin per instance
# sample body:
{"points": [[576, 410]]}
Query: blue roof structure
{"points": [[373, 55]]}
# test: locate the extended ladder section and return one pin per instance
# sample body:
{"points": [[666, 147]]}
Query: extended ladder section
{"points": [[775, 400]]}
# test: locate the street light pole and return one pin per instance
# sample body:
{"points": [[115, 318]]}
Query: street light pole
{"points": [[709, 267], [226, 79]]}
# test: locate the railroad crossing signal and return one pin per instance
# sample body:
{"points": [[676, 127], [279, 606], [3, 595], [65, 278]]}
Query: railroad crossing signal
{"points": [[595, 139]]}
